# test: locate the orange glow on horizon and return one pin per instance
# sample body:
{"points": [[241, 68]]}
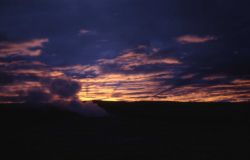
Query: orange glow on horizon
{"points": [[118, 87]]}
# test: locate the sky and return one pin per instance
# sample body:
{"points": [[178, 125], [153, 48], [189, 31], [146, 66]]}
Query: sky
{"points": [[124, 50]]}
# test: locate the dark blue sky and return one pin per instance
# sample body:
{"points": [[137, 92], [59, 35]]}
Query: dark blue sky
{"points": [[208, 38]]}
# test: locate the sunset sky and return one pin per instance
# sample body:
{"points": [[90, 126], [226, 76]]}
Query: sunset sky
{"points": [[124, 50]]}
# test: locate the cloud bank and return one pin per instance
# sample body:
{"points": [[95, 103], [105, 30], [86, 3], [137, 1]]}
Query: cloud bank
{"points": [[139, 74]]}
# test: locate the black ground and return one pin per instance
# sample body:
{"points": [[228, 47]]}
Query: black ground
{"points": [[143, 130]]}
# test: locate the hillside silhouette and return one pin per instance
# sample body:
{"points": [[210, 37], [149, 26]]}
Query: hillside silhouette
{"points": [[132, 130]]}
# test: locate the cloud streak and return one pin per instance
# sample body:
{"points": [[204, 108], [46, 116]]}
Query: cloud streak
{"points": [[131, 60], [30, 48], [192, 39], [84, 31]]}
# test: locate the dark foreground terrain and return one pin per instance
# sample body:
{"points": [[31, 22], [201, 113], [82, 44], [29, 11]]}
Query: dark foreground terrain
{"points": [[143, 130]]}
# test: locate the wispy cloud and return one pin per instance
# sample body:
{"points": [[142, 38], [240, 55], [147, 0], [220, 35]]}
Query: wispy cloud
{"points": [[84, 31], [131, 60], [188, 39], [28, 48], [214, 77], [39, 83], [127, 76], [127, 83], [38, 73], [118, 86], [88, 70], [88, 32]]}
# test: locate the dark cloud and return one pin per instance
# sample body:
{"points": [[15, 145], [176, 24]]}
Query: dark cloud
{"points": [[64, 87], [37, 96], [5, 78]]}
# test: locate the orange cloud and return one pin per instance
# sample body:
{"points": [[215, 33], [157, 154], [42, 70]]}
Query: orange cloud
{"points": [[80, 69], [187, 39], [29, 79], [130, 60], [129, 86], [29, 48], [38, 73], [17, 90], [22, 63], [214, 77], [113, 85]]}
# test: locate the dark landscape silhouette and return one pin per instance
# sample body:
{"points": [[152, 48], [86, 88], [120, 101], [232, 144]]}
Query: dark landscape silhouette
{"points": [[131, 130]]}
